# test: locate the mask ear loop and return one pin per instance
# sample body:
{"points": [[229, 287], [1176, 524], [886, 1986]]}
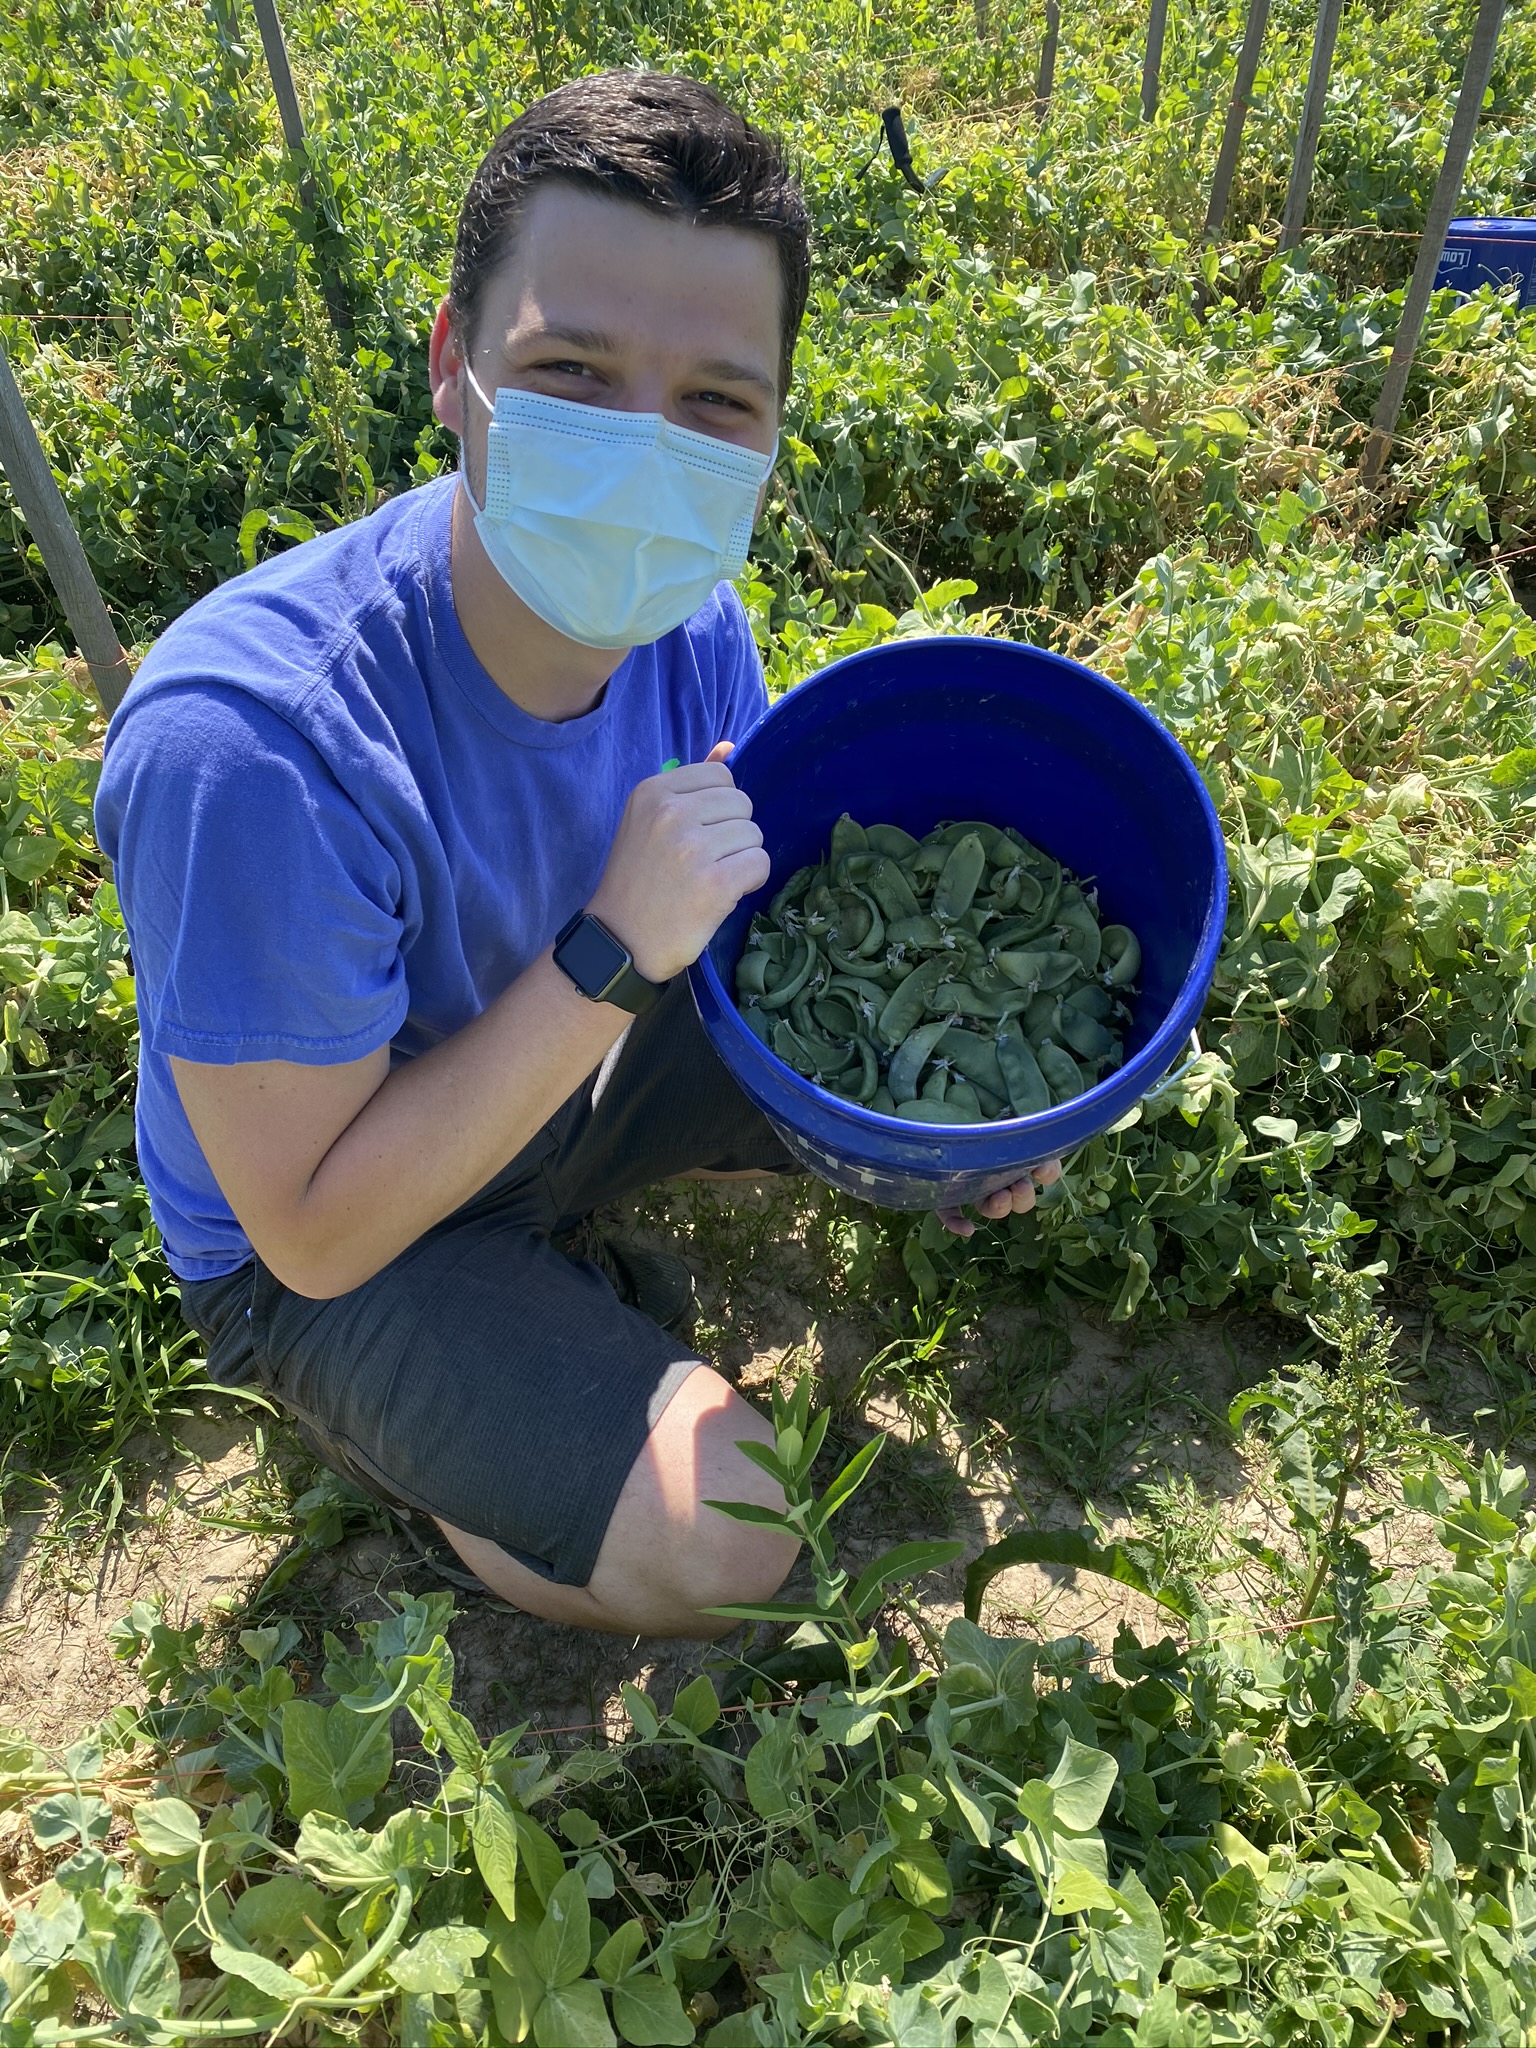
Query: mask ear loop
{"points": [[475, 386]]}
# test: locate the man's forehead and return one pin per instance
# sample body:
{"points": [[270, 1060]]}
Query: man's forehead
{"points": [[594, 272]]}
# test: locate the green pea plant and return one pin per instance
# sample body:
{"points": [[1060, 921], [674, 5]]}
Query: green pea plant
{"points": [[1304, 1818]]}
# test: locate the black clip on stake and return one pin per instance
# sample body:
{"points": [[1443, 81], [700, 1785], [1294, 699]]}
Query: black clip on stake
{"points": [[901, 151]]}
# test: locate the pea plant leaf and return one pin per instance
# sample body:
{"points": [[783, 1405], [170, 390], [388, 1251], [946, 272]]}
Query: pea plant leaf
{"points": [[337, 1761]]}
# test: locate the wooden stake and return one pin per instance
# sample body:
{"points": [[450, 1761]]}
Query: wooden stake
{"points": [[1298, 195], [1046, 82], [1237, 114], [43, 508], [1152, 62], [1453, 169], [332, 288]]}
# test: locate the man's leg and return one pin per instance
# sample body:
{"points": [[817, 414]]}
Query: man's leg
{"points": [[564, 1444], [666, 1556]]}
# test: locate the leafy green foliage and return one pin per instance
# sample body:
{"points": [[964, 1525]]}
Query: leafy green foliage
{"points": [[1026, 402], [1368, 1049], [1029, 377], [1307, 1822], [90, 1343]]}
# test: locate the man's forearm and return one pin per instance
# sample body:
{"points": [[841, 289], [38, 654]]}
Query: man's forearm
{"points": [[441, 1126]]}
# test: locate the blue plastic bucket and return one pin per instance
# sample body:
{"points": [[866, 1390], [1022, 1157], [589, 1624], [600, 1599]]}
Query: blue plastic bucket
{"points": [[1496, 252], [926, 730]]}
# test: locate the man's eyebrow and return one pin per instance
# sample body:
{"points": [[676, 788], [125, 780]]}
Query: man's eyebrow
{"points": [[574, 337], [739, 373]]}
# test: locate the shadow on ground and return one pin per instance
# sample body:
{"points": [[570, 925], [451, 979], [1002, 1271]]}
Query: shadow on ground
{"points": [[1027, 1419]]}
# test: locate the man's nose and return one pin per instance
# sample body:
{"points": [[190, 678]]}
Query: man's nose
{"points": [[650, 391]]}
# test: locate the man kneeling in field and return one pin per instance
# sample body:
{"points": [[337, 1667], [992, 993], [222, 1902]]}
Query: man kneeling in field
{"points": [[411, 886]]}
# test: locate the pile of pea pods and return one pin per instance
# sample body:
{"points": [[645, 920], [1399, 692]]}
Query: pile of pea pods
{"points": [[953, 979]]}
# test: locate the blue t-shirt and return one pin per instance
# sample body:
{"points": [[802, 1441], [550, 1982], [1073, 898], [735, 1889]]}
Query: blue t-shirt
{"points": [[332, 831]]}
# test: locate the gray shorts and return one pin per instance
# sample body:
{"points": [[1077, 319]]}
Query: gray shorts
{"points": [[483, 1376]]}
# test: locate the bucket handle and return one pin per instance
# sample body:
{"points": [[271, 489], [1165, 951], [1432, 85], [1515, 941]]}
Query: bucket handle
{"points": [[1172, 1078]]}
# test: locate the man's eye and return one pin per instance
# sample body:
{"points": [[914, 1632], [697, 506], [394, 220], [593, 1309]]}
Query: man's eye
{"points": [[720, 398], [567, 369]]}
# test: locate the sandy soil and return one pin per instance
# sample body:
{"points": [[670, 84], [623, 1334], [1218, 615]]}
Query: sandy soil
{"points": [[1042, 1410]]}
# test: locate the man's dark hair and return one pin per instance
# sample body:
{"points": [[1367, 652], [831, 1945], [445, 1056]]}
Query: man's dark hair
{"points": [[667, 143]]}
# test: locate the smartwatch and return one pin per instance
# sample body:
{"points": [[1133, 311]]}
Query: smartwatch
{"points": [[589, 955]]}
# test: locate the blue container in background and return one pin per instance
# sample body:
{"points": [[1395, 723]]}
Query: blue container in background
{"points": [[1496, 252], [921, 731]]}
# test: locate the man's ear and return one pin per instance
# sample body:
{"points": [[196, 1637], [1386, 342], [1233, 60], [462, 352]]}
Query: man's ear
{"points": [[445, 361]]}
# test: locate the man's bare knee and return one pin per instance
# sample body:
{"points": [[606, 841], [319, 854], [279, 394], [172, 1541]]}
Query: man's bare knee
{"points": [[732, 1566], [668, 1557]]}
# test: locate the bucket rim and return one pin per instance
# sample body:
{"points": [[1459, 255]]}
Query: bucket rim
{"points": [[1506, 228]]}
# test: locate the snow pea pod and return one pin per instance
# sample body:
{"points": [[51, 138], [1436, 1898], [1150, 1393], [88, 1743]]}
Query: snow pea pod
{"points": [[927, 862], [974, 1056], [796, 975], [797, 885], [1008, 886], [1031, 922], [912, 1055], [972, 828], [1039, 970], [818, 910], [883, 1101], [847, 837], [1061, 1071], [965, 999], [1084, 1034], [923, 930], [922, 1112], [851, 920], [956, 886], [961, 1095], [891, 841], [991, 1106], [1080, 932], [905, 1008], [1122, 961], [752, 972], [1094, 1001], [758, 1022], [1011, 933], [846, 965], [853, 869], [936, 1087], [792, 1049], [835, 1062], [1027, 1088], [866, 999], [892, 891], [1038, 1015], [863, 1090], [961, 999], [835, 1016], [873, 941]]}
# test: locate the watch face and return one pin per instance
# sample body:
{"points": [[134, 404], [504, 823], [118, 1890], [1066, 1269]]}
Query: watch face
{"points": [[591, 958]]}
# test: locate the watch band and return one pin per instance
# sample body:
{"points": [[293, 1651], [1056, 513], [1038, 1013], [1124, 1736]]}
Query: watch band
{"points": [[625, 987]]}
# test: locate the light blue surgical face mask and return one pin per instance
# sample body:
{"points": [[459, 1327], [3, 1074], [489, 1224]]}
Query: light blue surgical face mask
{"points": [[612, 526]]}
